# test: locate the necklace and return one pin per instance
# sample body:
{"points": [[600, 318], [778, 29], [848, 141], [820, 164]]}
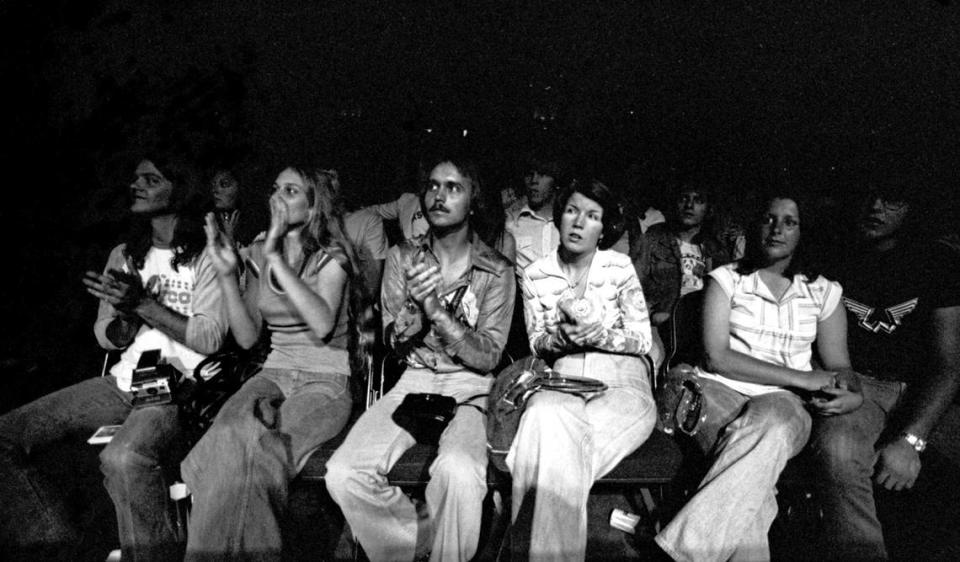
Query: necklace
{"points": [[575, 282]]}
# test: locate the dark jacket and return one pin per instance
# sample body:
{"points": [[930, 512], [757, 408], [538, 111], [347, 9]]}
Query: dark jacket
{"points": [[656, 257]]}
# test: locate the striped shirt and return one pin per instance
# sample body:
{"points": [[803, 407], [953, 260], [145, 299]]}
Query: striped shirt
{"points": [[781, 331]]}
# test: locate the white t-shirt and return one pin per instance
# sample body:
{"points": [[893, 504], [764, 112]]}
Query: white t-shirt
{"points": [[692, 266], [174, 289]]}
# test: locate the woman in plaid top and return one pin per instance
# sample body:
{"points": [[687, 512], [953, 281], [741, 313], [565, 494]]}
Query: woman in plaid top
{"points": [[761, 318]]}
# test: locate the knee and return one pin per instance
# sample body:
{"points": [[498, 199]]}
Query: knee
{"points": [[344, 479], [839, 451], [121, 459], [459, 472]]}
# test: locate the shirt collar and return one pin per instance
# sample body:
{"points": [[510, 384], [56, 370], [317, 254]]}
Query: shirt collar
{"points": [[482, 257], [756, 286]]}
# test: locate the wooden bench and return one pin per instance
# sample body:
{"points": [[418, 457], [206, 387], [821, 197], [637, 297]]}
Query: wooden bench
{"points": [[645, 477]]}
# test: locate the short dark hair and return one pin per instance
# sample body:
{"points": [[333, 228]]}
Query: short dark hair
{"points": [[605, 197]]}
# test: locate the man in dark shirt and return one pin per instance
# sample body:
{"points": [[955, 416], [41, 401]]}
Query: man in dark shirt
{"points": [[902, 297]]}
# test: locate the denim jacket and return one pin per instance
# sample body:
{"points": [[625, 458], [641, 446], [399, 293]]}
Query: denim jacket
{"points": [[656, 257], [613, 289], [471, 335]]}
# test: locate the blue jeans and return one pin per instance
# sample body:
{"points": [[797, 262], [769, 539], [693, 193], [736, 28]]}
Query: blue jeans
{"points": [[132, 464], [842, 448], [240, 470], [750, 439], [382, 517]]}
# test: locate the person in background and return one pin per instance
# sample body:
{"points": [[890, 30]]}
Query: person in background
{"points": [[564, 443], [447, 300], [157, 291], [672, 259], [302, 284], [761, 319]]}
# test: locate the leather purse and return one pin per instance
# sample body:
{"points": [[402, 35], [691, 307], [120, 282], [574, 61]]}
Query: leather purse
{"points": [[509, 396], [681, 403]]}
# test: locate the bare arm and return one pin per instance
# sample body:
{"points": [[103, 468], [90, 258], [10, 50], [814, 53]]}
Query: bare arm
{"points": [[317, 306], [930, 399], [739, 366]]}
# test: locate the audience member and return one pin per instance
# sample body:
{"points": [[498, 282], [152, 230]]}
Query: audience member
{"points": [[299, 283], [902, 300], [564, 443], [447, 300], [157, 291], [530, 219], [671, 260], [760, 320]]}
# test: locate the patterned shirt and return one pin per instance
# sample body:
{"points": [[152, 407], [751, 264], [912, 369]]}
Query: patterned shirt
{"points": [[612, 295], [473, 334], [781, 331]]}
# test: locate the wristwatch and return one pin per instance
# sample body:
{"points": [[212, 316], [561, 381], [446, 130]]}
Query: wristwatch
{"points": [[916, 442]]}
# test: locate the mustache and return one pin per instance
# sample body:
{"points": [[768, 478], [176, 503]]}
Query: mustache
{"points": [[438, 207]]}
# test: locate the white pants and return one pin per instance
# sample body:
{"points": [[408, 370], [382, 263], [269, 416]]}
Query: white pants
{"points": [[381, 516], [563, 445]]}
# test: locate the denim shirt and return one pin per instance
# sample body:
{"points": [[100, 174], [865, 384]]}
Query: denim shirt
{"points": [[471, 336], [614, 290]]}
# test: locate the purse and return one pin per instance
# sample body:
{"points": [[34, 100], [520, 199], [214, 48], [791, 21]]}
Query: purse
{"points": [[425, 416], [681, 403], [510, 394]]}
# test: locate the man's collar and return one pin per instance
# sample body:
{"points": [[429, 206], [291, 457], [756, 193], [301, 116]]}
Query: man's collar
{"points": [[482, 257]]}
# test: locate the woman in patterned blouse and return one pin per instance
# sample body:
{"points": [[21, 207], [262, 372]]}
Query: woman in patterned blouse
{"points": [[586, 316]]}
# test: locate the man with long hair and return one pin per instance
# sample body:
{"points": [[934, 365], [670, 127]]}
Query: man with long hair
{"points": [[447, 300], [157, 291]]}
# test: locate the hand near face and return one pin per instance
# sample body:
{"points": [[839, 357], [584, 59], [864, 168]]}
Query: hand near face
{"points": [[423, 283], [279, 222], [219, 247]]}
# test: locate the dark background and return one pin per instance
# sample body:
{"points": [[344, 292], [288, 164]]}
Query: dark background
{"points": [[824, 96]]}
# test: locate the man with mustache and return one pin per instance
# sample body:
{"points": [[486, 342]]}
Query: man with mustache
{"points": [[902, 296], [447, 301]]}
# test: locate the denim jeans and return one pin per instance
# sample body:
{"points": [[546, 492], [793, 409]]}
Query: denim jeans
{"points": [[842, 448], [132, 464], [382, 517], [240, 470], [750, 439], [563, 445]]}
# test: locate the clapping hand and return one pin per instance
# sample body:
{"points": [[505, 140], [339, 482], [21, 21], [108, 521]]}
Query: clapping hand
{"points": [[124, 291], [279, 223], [423, 282], [220, 247]]}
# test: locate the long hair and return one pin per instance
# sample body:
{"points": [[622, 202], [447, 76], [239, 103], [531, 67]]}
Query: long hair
{"points": [[325, 230], [800, 262], [187, 201], [604, 196]]}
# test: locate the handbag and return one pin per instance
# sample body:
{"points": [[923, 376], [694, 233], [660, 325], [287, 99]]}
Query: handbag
{"points": [[510, 394], [425, 416], [681, 403]]}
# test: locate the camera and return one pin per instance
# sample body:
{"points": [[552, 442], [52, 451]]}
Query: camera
{"points": [[154, 381]]}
